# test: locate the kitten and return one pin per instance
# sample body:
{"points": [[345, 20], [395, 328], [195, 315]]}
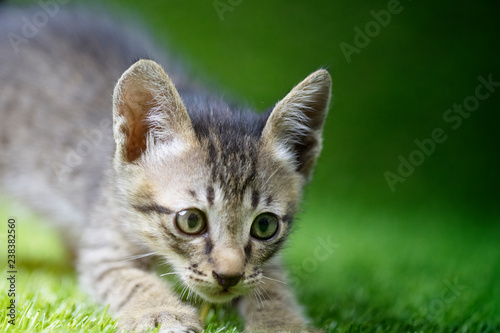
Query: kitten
{"points": [[176, 173]]}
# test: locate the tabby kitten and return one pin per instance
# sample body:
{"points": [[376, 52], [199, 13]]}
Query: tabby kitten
{"points": [[209, 188]]}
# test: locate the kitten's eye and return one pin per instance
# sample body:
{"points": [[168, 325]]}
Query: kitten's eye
{"points": [[264, 226], [191, 221]]}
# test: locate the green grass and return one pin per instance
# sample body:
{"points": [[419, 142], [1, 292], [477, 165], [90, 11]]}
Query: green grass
{"points": [[396, 252], [387, 272]]}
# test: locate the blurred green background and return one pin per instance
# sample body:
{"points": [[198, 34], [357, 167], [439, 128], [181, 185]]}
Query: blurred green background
{"points": [[394, 91], [396, 252]]}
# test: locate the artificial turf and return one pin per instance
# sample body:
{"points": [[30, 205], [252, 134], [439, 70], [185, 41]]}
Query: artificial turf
{"points": [[425, 258]]}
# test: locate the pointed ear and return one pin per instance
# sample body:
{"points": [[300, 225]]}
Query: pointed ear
{"points": [[294, 128], [146, 109]]}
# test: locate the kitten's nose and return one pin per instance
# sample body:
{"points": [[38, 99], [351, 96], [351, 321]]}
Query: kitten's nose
{"points": [[226, 281], [229, 265]]}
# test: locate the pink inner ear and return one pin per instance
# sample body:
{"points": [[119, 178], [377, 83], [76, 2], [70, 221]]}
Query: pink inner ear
{"points": [[136, 111], [136, 143], [146, 100]]}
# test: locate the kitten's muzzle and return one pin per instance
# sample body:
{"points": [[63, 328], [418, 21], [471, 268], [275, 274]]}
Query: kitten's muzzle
{"points": [[226, 281], [229, 265]]}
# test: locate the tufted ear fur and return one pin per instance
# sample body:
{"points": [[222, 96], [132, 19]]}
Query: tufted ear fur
{"points": [[294, 128], [146, 109]]}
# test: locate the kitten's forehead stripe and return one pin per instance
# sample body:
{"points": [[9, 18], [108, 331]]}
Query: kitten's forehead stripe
{"points": [[153, 208], [210, 195], [269, 200], [255, 199], [231, 139], [235, 167], [192, 193], [212, 156]]}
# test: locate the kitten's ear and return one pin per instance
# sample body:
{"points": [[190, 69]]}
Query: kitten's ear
{"points": [[294, 128], [146, 108]]}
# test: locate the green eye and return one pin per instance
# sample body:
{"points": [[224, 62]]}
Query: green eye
{"points": [[264, 226], [191, 221]]}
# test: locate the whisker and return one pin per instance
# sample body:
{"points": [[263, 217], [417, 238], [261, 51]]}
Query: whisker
{"points": [[138, 256], [257, 299], [271, 176], [184, 289], [260, 298], [257, 290], [263, 298], [266, 277], [264, 290], [168, 273]]}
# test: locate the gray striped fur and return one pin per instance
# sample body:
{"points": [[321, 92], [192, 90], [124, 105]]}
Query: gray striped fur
{"points": [[114, 172]]}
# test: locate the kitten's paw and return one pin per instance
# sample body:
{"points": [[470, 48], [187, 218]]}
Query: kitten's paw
{"points": [[178, 329], [183, 320]]}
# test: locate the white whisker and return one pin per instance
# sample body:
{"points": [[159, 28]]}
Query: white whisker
{"points": [[184, 289], [260, 296], [138, 256], [265, 277], [257, 299], [168, 273], [271, 176], [264, 290]]}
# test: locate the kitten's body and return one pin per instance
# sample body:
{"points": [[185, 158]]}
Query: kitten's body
{"points": [[176, 150], [56, 94]]}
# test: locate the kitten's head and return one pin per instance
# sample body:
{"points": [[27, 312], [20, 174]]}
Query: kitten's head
{"points": [[212, 191]]}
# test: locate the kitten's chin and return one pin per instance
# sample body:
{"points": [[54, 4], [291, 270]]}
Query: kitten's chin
{"points": [[217, 297]]}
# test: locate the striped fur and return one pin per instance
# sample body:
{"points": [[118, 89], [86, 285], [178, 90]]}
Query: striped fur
{"points": [[169, 147]]}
